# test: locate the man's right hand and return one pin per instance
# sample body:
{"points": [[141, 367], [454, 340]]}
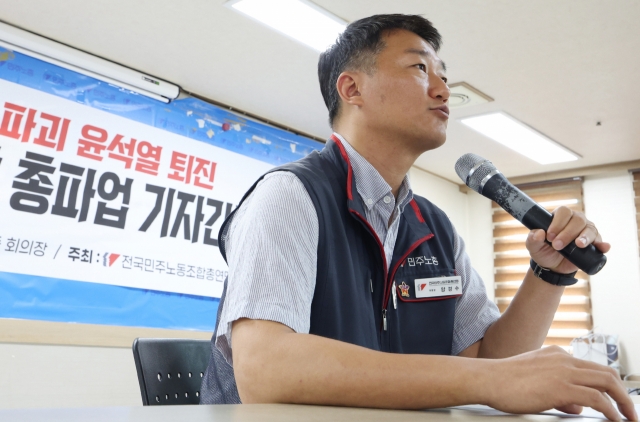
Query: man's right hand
{"points": [[536, 381], [273, 364]]}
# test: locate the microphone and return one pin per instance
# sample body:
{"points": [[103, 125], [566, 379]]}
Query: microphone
{"points": [[483, 177]]}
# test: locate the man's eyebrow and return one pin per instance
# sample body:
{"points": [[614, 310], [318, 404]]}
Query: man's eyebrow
{"points": [[425, 53]]}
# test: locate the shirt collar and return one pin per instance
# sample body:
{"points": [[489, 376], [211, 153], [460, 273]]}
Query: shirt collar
{"points": [[370, 184]]}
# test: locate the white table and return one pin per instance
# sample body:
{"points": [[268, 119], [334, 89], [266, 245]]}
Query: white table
{"points": [[267, 413]]}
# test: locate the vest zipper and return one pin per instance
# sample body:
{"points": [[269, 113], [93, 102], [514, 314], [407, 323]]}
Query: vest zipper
{"points": [[395, 295], [388, 276], [384, 266], [384, 319], [392, 274]]}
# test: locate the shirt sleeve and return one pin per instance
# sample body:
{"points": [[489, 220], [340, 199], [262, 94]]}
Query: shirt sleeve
{"points": [[272, 255], [474, 311]]}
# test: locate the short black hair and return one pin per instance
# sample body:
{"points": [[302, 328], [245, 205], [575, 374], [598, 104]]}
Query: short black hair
{"points": [[359, 45]]}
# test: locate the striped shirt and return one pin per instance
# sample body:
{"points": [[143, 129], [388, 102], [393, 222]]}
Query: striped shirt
{"points": [[272, 248]]}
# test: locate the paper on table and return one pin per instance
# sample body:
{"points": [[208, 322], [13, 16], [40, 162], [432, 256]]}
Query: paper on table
{"points": [[586, 413]]}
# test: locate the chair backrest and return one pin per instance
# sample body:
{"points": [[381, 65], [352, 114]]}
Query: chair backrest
{"points": [[170, 371]]}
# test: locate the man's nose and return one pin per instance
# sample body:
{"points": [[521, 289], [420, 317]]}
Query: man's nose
{"points": [[438, 88]]}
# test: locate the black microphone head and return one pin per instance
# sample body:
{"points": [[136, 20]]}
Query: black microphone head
{"points": [[472, 169]]}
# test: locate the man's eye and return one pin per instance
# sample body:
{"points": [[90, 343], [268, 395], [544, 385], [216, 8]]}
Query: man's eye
{"points": [[445, 79], [422, 67]]}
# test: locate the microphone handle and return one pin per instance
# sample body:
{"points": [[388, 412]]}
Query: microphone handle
{"points": [[524, 209], [589, 259]]}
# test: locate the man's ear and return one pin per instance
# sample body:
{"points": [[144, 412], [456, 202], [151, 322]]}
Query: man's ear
{"points": [[347, 86]]}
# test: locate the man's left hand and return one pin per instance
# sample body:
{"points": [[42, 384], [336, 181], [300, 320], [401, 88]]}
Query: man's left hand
{"points": [[567, 225]]}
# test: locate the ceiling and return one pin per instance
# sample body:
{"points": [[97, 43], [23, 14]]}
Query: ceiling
{"points": [[558, 66]]}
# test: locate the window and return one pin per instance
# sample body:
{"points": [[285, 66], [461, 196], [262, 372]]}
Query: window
{"points": [[511, 260]]}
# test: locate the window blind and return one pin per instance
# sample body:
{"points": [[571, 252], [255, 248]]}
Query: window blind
{"points": [[511, 261]]}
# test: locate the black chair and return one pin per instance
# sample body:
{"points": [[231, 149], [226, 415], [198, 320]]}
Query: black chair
{"points": [[170, 371]]}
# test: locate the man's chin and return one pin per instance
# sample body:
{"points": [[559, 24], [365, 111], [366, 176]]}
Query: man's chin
{"points": [[434, 136], [433, 142]]}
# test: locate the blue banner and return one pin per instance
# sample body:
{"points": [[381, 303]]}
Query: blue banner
{"points": [[33, 295]]}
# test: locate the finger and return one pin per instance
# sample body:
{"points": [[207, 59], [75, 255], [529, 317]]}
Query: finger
{"points": [[572, 409], [603, 247], [561, 217], [536, 240], [603, 381], [541, 251], [587, 236], [539, 236], [571, 230], [629, 412], [589, 397], [608, 381]]}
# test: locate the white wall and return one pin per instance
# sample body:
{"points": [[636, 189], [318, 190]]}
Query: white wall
{"points": [[443, 194], [480, 239], [67, 376], [615, 291]]}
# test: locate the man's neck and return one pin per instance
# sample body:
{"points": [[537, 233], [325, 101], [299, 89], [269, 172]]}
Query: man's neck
{"points": [[388, 156]]}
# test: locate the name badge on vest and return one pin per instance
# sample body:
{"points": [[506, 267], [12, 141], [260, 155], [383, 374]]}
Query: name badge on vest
{"points": [[438, 286]]}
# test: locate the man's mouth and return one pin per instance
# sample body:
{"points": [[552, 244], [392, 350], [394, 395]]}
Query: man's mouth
{"points": [[443, 109]]}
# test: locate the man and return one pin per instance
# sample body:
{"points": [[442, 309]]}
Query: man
{"points": [[321, 305]]}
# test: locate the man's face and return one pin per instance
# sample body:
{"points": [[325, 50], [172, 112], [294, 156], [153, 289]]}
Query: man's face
{"points": [[407, 95]]}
